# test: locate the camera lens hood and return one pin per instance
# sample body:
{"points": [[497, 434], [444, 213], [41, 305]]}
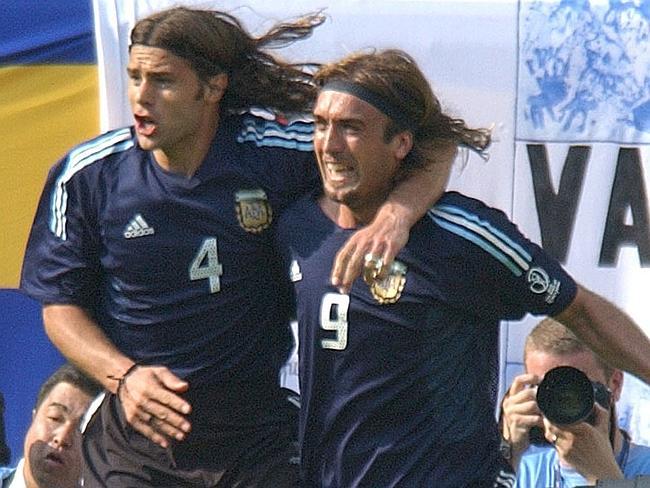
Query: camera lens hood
{"points": [[565, 396]]}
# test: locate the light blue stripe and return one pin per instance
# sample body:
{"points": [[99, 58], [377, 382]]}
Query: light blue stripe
{"points": [[474, 218], [278, 134], [78, 154], [79, 158], [276, 142], [296, 135], [486, 246], [295, 126], [484, 233]]}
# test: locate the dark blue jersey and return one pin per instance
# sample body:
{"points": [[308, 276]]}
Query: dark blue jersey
{"points": [[399, 381], [177, 271]]}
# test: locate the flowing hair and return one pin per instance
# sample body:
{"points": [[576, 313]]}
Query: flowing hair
{"points": [[215, 42], [393, 77]]}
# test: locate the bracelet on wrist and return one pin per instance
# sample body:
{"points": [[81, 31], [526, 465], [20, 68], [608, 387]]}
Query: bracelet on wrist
{"points": [[122, 379]]}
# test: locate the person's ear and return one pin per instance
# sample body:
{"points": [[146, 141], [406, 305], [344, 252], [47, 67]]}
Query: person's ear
{"points": [[403, 142], [216, 87]]}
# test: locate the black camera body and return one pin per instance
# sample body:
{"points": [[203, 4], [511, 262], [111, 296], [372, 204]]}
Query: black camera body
{"points": [[567, 396]]}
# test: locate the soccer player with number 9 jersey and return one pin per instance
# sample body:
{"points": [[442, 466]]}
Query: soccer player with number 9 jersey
{"points": [[399, 375]]}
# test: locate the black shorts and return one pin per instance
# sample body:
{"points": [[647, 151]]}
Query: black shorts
{"points": [[213, 454]]}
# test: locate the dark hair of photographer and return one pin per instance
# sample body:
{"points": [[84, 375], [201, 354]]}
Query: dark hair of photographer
{"points": [[585, 451]]}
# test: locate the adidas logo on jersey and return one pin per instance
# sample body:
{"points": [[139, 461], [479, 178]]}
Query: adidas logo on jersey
{"points": [[138, 227]]}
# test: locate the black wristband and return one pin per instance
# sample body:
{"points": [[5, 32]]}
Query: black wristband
{"points": [[505, 448], [122, 379]]}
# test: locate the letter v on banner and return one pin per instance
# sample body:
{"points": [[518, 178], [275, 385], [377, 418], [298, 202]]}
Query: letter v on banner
{"points": [[628, 192], [557, 211]]}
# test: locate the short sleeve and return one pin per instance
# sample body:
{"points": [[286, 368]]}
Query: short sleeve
{"points": [[60, 263], [499, 272]]}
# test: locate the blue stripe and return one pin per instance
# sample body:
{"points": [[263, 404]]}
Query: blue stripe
{"points": [[487, 225], [79, 153], [475, 239], [47, 32], [294, 126], [80, 157], [297, 135], [262, 141], [276, 134]]}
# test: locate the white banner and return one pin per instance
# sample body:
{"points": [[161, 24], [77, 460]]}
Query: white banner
{"points": [[566, 86]]}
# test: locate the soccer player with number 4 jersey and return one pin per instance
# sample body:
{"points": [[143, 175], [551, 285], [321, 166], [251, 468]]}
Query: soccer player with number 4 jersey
{"points": [[152, 255]]}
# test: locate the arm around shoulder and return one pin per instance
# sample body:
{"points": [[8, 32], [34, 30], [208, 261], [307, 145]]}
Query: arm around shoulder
{"points": [[415, 194], [609, 331], [389, 231]]}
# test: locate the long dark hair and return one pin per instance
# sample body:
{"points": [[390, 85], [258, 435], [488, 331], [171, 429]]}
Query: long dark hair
{"points": [[394, 76], [215, 42]]}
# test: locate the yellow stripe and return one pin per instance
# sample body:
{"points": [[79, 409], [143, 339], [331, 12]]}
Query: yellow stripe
{"points": [[44, 111]]}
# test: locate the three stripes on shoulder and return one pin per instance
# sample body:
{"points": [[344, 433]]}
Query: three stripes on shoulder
{"points": [[265, 129]]}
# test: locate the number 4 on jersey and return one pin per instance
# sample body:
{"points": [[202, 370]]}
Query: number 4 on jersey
{"points": [[206, 265]]}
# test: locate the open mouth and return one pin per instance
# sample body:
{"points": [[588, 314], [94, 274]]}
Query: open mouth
{"points": [[144, 125], [338, 172], [54, 458]]}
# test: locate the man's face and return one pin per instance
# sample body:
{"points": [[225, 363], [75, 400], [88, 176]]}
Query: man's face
{"points": [[52, 448], [168, 101], [357, 166]]}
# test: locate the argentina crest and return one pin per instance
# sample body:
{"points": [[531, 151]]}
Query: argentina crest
{"points": [[253, 210], [387, 288]]}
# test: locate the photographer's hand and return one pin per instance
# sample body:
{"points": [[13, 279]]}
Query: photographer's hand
{"points": [[520, 414], [586, 447]]}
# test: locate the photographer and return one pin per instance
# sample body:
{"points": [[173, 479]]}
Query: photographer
{"points": [[566, 455]]}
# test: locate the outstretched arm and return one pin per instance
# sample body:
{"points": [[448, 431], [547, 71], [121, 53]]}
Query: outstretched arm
{"points": [[609, 331], [149, 394], [389, 231]]}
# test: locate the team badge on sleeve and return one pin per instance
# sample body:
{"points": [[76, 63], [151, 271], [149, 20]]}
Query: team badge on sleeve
{"points": [[388, 289], [253, 210]]}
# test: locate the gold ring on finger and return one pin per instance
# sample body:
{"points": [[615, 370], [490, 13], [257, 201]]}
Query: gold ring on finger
{"points": [[371, 267]]}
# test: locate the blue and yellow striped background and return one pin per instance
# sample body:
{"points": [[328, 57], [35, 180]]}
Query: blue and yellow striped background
{"points": [[48, 102]]}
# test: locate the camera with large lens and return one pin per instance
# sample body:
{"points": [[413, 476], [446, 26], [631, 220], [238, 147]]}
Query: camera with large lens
{"points": [[567, 396]]}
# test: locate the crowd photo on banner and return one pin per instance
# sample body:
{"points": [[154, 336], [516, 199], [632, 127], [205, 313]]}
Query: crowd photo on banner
{"points": [[387, 244]]}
